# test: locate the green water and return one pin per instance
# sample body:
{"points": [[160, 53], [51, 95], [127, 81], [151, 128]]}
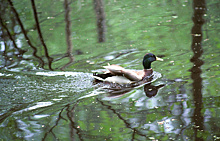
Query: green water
{"points": [[38, 104]]}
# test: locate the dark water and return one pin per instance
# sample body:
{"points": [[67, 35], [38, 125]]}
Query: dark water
{"points": [[181, 103]]}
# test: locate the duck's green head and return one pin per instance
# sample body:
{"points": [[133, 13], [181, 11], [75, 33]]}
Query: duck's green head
{"points": [[148, 59]]}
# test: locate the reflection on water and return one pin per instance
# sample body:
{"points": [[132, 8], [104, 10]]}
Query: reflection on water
{"points": [[50, 105], [90, 114], [199, 7], [151, 90]]}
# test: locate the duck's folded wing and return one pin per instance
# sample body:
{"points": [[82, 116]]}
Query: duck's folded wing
{"points": [[114, 69], [132, 75]]}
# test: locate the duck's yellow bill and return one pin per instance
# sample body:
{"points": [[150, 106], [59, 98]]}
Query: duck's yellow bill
{"points": [[159, 59]]}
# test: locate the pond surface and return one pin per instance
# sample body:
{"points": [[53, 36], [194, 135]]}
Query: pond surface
{"points": [[182, 101]]}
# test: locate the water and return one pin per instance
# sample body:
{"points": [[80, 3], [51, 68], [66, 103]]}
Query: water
{"points": [[181, 103]]}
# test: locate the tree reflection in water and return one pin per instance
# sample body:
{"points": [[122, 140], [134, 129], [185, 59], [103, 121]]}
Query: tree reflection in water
{"points": [[199, 7]]}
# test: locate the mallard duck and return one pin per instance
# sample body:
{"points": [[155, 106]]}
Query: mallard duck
{"points": [[120, 75]]}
